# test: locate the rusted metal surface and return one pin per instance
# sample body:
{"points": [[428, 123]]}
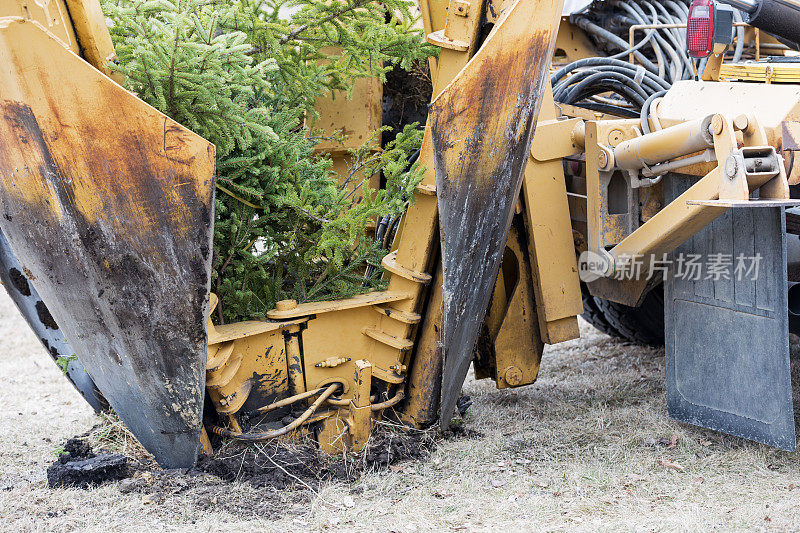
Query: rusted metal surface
{"points": [[108, 205], [482, 126]]}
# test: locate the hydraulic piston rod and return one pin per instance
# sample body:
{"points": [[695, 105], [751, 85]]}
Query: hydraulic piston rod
{"points": [[663, 145]]}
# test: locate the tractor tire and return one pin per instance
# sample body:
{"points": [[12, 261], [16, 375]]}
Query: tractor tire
{"points": [[639, 325], [594, 316]]}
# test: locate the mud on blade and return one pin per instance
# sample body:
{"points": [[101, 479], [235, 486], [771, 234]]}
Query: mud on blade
{"points": [[108, 205], [482, 127], [38, 317]]}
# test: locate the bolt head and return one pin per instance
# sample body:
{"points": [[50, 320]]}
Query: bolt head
{"points": [[731, 167], [602, 159], [717, 124], [513, 376]]}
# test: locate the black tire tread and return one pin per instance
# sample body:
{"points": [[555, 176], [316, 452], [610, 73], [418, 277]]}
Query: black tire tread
{"points": [[640, 325], [594, 316]]}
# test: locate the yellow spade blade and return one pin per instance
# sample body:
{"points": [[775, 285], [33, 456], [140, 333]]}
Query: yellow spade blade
{"points": [[482, 127], [108, 205]]}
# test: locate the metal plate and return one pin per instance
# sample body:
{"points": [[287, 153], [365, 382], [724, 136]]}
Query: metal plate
{"points": [[727, 358], [482, 126], [108, 205], [35, 312]]}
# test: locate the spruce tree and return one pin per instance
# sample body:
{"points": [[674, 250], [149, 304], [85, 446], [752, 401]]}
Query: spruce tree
{"points": [[245, 77]]}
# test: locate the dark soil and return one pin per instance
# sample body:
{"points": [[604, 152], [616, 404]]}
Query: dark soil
{"points": [[78, 466], [406, 95], [285, 474]]}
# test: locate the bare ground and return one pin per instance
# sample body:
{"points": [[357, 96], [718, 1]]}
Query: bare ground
{"points": [[588, 447]]}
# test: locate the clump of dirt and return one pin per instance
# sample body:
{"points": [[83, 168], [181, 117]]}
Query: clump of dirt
{"points": [[79, 466]]}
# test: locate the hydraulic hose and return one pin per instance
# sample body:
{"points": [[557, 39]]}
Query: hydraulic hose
{"points": [[778, 17], [259, 437], [612, 84]]}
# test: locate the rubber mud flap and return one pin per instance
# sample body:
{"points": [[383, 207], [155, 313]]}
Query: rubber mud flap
{"points": [[482, 126], [108, 205], [727, 339], [32, 308]]}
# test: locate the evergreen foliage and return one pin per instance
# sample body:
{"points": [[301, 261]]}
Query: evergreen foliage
{"points": [[246, 79]]}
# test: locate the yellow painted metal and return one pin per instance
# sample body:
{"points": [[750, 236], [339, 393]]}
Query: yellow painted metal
{"points": [[610, 204], [206, 442], [680, 219], [434, 14], [424, 378], [360, 419], [92, 33], [518, 346], [317, 308], [457, 40], [550, 243], [662, 145], [53, 16], [349, 122], [773, 104], [572, 43], [761, 72], [252, 367]]}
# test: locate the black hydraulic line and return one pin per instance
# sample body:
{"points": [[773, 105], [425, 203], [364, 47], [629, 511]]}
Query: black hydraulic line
{"points": [[602, 61], [606, 78], [779, 17], [606, 85], [640, 18], [562, 90], [675, 36], [645, 115], [648, 85], [611, 110], [586, 25], [679, 10], [676, 65]]}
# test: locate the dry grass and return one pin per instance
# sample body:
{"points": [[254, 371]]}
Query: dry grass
{"points": [[589, 447]]}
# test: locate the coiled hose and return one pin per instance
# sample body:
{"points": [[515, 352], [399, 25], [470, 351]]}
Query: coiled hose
{"points": [[616, 86]]}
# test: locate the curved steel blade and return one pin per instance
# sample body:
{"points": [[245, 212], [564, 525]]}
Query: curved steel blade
{"points": [[482, 127], [108, 205], [30, 305]]}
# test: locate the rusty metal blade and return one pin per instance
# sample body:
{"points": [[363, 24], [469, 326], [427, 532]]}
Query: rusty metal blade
{"points": [[37, 315], [482, 127], [108, 205]]}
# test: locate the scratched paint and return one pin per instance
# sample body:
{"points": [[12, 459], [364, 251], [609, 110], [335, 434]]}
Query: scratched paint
{"points": [[482, 127], [93, 203]]}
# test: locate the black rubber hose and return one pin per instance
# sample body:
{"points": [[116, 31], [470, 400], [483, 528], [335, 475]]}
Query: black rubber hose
{"points": [[603, 61], [777, 18], [676, 65], [586, 25], [622, 85], [610, 109], [561, 88], [645, 115], [640, 18], [609, 86]]}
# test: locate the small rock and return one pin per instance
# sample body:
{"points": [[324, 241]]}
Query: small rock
{"points": [[128, 485]]}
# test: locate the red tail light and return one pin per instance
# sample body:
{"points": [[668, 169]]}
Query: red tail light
{"points": [[700, 28]]}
